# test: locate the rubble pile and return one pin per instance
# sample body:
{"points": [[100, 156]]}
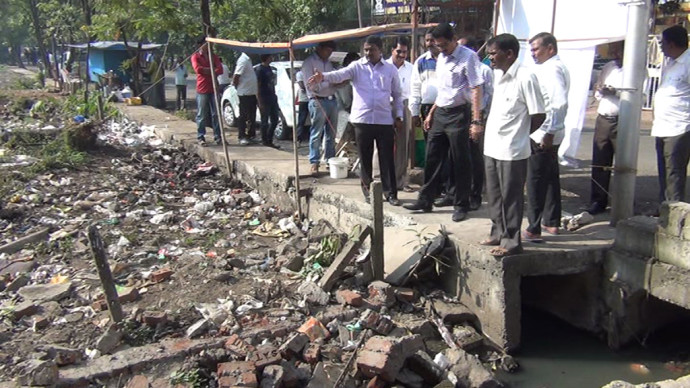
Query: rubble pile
{"points": [[217, 287]]}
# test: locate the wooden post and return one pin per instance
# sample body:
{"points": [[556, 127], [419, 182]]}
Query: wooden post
{"points": [[100, 106], [376, 193], [104, 273]]}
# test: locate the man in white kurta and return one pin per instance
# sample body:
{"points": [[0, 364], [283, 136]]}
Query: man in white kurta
{"points": [[517, 109]]}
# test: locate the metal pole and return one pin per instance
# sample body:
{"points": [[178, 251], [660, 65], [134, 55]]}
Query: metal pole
{"points": [[359, 13], [219, 113], [294, 133], [415, 23], [625, 171]]}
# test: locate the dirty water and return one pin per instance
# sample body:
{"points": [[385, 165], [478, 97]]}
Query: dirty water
{"points": [[556, 355]]}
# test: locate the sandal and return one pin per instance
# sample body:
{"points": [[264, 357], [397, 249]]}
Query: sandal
{"points": [[490, 242], [502, 252]]}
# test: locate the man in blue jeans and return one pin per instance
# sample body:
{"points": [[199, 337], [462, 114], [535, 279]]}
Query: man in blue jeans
{"points": [[204, 91], [323, 107]]}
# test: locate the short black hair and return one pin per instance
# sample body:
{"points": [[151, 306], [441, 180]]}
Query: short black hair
{"points": [[505, 42], [443, 30], [374, 40], [265, 57], [429, 31], [546, 39], [401, 40], [328, 43], [349, 58], [677, 35]]}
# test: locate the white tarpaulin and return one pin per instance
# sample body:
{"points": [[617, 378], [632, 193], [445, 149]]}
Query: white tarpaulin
{"points": [[579, 26]]}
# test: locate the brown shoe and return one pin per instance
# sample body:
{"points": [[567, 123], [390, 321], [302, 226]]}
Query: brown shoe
{"points": [[314, 170]]}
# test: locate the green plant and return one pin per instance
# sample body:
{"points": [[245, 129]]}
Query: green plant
{"points": [[328, 248], [422, 242], [25, 83], [193, 378], [185, 114], [58, 154]]}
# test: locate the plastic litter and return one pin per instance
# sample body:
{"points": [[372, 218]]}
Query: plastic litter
{"points": [[249, 303]]}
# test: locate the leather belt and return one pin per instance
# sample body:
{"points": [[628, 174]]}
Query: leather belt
{"points": [[323, 98]]}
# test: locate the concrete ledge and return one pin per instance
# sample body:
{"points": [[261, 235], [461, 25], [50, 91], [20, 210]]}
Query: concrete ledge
{"points": [[637, 234], [674, 219]]}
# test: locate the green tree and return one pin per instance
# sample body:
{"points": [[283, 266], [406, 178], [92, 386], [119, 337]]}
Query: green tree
{"points": [[14, 28]]}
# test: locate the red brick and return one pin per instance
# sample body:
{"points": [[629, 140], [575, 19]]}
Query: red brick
{"points": [[349, 297], [128, 294], [237, 374], [377, 322], [99, 305], [138, 381], [381, 293], [312, 353], [162, 274], [406, 295], [376, 382], [314, 329], [154, 318], [237, 345], [384, 356]]}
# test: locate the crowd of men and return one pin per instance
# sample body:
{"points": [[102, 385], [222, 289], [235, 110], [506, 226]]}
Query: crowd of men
{"points": [[488, 130]]}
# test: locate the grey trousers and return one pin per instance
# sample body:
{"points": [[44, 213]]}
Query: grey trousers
{"points": [[403, 143], [505, 191], [673, 154]]}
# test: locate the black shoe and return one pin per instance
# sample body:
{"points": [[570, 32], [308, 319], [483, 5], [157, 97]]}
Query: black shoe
{"points": [[475, 203], [459, 215], [418, 205], [444, 201], [272, 145], [596, 208], [393, 201]]}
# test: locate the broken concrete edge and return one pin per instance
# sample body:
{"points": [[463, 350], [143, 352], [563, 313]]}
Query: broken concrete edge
{"points": [[19, 244], [254, 177], [131, 360]]}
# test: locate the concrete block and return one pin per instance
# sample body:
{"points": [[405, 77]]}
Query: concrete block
{"points": [[674, 219], [622, 266], [673, 250], [670, 284], [636, 234]]}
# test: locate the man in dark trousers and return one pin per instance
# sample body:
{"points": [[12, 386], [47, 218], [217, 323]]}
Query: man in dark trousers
{"points": [[267, 99], [205, 102], [450, 123]]}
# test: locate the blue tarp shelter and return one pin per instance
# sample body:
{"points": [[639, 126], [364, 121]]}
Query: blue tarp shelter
{"points": [[108, 55]]}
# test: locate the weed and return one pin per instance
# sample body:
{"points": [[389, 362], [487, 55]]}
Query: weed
{"points": [[25, 83], [137, 334], [7, 312], [328, 248], [58, 154], [185, 114], [423, 241], [193, 378]]}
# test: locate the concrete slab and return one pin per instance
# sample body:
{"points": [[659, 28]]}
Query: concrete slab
{"points": [[490, 287]]}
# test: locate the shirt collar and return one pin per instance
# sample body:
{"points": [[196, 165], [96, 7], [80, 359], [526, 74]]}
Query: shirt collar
{"points": [[512, 70], [684, 57]]}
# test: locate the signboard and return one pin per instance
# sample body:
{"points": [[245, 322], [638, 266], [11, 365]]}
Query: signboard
{"points": [[391, 7]]}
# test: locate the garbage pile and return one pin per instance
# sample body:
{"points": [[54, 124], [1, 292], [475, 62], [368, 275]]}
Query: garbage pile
{"points": [[222, 286]]}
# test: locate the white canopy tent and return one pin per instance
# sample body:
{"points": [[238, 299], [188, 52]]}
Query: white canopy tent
{"points": [[579, 26]]}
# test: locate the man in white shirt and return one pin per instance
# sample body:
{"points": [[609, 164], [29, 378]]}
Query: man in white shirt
{"points": [[605, 129], [303, 111], [671, 125], [246, 85], [323, 107], [181, 84], [451, 122], [402, 138], [423, 86], [517, 110], [223, 79], [543, 177]]}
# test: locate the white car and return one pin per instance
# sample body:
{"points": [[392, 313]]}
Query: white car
{"points": [[230, 102]]}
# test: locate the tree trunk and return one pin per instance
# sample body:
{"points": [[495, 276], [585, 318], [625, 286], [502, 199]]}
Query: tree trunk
{"points": [[38, 33], [17, 51], [206, 19], [86, 6], [135, 85]]}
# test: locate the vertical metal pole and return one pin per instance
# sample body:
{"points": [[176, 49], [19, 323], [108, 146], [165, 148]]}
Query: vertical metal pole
{"points": [[298, 197], [415, 23], [623, 189], [359, 13], [219, 113]]}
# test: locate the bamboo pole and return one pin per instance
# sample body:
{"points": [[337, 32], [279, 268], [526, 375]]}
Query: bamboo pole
{"points": [[219, 114], [294, 131]]}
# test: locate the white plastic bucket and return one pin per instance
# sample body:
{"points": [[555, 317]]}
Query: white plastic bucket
{"points": [[338, 167]]}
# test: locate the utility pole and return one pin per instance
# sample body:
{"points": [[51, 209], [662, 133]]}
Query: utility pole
{"points": [[359, 13], [634, 62]]}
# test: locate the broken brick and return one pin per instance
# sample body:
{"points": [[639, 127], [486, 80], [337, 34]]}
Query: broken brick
{"points": [[376, 382], [138, 381], [162, 275], [406, 295], [312, 353], [377, 322], [41, 322], [24, 309], [272, 377], [99, 305], [385, 356], [128, 294], [293, 345], [381, 293], [154, 318], [349, 297], [264, 356], [237, 345], [237, 374], [314, 329]]}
